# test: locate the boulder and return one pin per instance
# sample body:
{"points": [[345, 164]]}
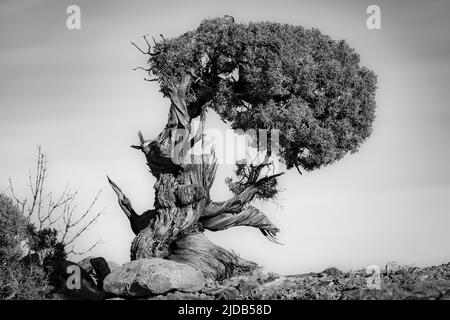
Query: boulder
{"points": [[177, 295], [87, 265], [394, 267], [64, 274], [151, 277], [222, 292], [333, 272], [228, 293], [248, 285]]}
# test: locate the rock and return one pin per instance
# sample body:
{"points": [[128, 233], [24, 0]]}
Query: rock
{"points": [[86, 264], [232, 282], [333, 272], [213, 291], [210, 283], [247, 285], [423, 277], [101, 269], [222, 292], [151, 277], [63, 279], [394, 267], [430, 290], [177, 295], [228, 293]]}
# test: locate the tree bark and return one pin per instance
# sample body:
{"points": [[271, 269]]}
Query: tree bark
{"points": [[182, 208]]}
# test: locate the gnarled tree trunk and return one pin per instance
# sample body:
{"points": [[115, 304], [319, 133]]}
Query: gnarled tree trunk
{"points": [[183, 209]]}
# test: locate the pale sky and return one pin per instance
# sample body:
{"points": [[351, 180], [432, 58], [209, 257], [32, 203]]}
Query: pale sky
{"points": [[74, 93]]}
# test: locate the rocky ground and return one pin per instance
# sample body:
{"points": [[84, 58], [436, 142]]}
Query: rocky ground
{"points": [[159, 279], [397, 282]]}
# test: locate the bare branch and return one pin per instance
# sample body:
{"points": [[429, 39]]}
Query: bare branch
{"points": [[137, 222], [142, 51], [84, 228], [79, 253], [142, 68], [149, 48], [20, 203], [46, 211], [88, 210], [146, 41]]}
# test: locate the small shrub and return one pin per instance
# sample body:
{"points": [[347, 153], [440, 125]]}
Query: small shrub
{"points": [[17, 280]]}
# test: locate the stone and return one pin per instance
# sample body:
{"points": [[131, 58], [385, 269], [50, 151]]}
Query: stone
{"points": [[101, 269], [86, 264], [430, 290], [424, 277], [177, 295], [152, 277], [394, 267], [333, 272], [64, 279], [247, 285], [228, 293]]}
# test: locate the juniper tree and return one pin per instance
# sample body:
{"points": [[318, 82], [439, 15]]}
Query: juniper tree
{"points": [[254, 76]]}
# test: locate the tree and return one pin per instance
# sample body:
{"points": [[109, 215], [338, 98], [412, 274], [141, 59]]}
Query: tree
{"points": [[255, 76]]}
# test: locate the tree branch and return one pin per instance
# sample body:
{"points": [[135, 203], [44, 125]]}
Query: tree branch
{"points": [[237, 203], [250, 216], [79, 253], [46, 212], [137, 222]]}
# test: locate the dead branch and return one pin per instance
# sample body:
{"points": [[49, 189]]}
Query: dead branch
{"points": [[250, 182], [149, 48], [79, 253], [250, 216], [137, 222]]}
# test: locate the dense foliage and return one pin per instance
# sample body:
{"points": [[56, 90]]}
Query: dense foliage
{"points": [[17, 280], [27, 256], [274, 76], [12, 229]]}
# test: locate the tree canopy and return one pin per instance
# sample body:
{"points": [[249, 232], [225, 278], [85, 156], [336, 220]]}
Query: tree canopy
{"points": [[269, 75]]}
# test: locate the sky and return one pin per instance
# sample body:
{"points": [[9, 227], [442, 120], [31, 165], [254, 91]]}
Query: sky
{"points": [[74, 93]]}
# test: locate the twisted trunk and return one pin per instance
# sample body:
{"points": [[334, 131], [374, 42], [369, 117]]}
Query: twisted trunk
{"points": [[182, 208]]}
